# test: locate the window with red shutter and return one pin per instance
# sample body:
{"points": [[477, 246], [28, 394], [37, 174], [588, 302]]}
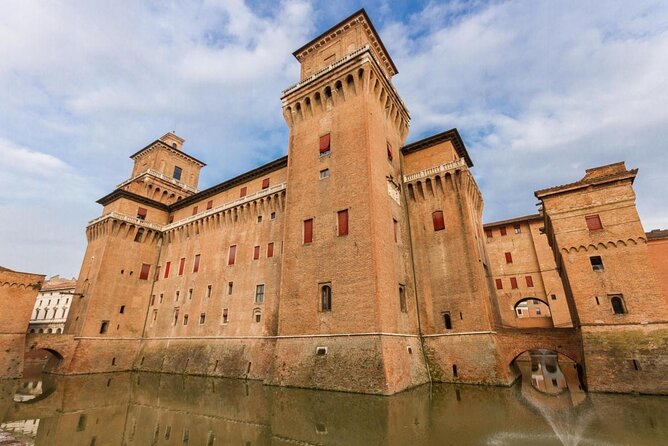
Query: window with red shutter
{"points": [[194, 210], [196, 264], [243, 192], [145, 269], [308, 230], [343, 222], [513, 283], [437, 218], [509, 257], [171, 219], [325, 144], [233, 255], [389, 152], [529, 281], [499, 284], [182, 265], [167, 266], [270, 249], [488, 233], [141, 213], [265, 183], [593, 222], [256, 253], [502, 230], [209, 204]]}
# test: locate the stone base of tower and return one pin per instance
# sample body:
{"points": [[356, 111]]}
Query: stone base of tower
{"points": [[626, 358], [100, 355], [11, 359], [377, 364], [467, 358], [229, 358]]}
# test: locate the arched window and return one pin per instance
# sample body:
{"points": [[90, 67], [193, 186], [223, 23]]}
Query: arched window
{"points": [[59, 331], [326, 297], [257, 315], [49, 331], [617, 303]]}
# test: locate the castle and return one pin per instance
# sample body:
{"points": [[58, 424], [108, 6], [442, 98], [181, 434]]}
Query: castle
{"points": [[359, 263]]}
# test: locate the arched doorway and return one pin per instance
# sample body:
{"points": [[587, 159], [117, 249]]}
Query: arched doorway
{"points": [[41, 360]]}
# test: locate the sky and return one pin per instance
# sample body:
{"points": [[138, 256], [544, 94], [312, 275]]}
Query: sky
{"points": [[539, 91]]}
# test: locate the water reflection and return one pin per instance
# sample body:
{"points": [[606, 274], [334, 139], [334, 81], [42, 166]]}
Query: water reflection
{"points": [[153, 409]]}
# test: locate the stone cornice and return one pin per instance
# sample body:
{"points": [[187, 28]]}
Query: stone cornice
{"points": [[122, 193], [161, 144]]}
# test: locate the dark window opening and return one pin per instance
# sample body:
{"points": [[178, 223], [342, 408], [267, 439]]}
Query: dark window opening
{"points": [[145, 270], [122, 309], [230, 285], [185, 319], [177, 173], [81, 425], [635, 364], [139, 234], [326, 297], [617, 303], [389, 152], [488, 233], [402, 299], [454, 370], [208, 291], [225, 317], [321, 351], [395, 227], [447, 320], [113, 361], [232, 255], [202, 318], [597, 301], [104, 327], [517, 228], [596, 263], [502, 230], [554, 297], [257, 315]]}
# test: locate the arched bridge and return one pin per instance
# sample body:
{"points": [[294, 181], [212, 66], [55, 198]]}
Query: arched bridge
{"points": [[61, 346], [515, 341]]}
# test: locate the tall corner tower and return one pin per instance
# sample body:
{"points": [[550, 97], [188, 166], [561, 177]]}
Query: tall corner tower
{"points": [[346, 320], [601, 253], [109, 309]]}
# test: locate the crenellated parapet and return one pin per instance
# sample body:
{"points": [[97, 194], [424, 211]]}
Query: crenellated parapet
{"points": [[357, 73]]}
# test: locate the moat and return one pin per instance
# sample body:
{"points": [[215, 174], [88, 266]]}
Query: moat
{"points": [[161, 409]]}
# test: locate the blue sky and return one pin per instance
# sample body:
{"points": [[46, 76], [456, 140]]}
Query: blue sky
{"points": [[539, 90]]}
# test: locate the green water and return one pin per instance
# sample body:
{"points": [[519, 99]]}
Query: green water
{"points": [[152, 409]]}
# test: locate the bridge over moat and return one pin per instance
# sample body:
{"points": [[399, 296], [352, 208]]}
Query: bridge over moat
{"points": [[61, 346]]}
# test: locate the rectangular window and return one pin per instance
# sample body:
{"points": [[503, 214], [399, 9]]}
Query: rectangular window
{"points": [[499, 284], [196, 264], [177, 173], [209, 205], [185, 319], [176, 316], [190, 294], [593, 222], [502, 230], [243, 192], [225, 316], [233, 255], [167, 266], [343, 222], [265, 183], [402, 299], [509, 257], [230, 286], [182, 265], [202, 318], [596, 263], [529, 280], [208, 291], [389, 152], [145, 269], [270, 249], [195, 210], [157, 273], [513, 283], [488, 233], [139, 234], [437, 219], [308, 230], [395, 228], [325, 141], [324, 173], [141, 213], [517, 228], [171, 219], [272, 216], [155, 316], [152, 299], [104, 327], [176, 297], [259, 294], [256, 253]]}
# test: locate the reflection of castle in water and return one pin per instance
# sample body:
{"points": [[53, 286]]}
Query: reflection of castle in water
{"points": [[143, 409]]}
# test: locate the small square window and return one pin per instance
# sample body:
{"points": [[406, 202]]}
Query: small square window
{"points": [[259, 219], [517, 228], [324, 173], [488, 233], [593, 222], [502, 230], [272, 216], [265, 183], [596, 263]]}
